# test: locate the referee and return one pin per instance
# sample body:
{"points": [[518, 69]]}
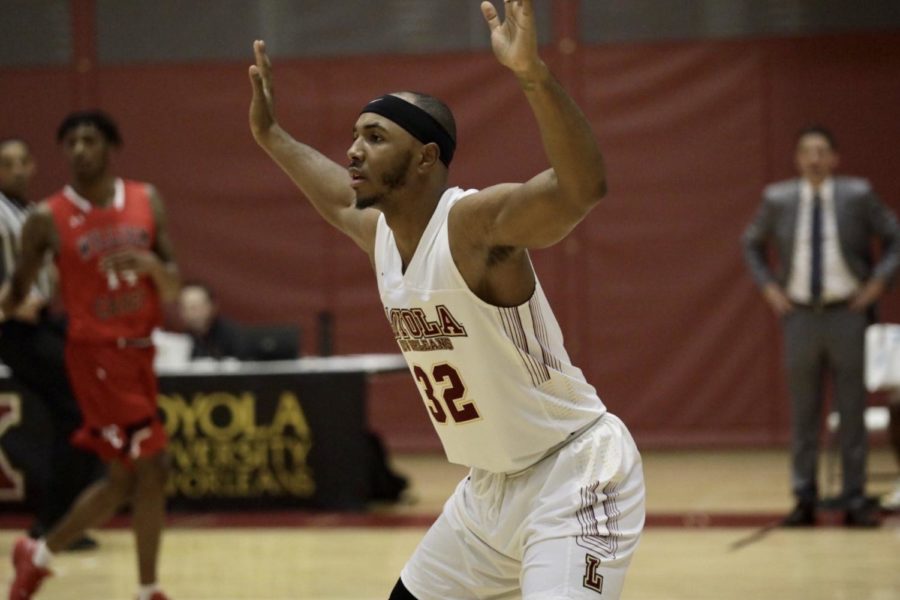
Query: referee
{"points": [[31, 345]]}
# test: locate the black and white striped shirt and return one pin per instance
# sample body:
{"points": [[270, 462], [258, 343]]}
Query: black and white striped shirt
{"points": [[12, 216]]}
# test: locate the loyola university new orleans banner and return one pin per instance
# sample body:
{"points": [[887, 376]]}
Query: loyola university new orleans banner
{"points": [[236, 441]]}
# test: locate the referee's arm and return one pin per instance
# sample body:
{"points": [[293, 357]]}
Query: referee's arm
{"points": [[38, 238]]}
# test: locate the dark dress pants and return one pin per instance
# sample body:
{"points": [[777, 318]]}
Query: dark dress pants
{"points": [[34, 354], [822, 344]]}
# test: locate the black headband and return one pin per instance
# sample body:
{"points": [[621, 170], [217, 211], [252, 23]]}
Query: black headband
{"points": [[414, 120]]}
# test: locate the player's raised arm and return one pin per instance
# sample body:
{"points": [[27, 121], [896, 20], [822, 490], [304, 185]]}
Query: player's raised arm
{"points": [[543, 210], [324, 182]]}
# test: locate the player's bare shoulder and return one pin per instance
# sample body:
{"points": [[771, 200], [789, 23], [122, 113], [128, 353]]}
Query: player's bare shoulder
{"points": [[472, 219]]}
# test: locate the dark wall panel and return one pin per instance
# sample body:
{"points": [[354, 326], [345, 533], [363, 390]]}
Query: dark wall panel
{"points": [[34, 102]]}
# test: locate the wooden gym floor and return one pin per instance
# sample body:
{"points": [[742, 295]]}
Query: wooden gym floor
{"points": [[700, 504]]}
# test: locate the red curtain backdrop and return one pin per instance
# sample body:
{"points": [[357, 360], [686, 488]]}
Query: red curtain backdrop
{"points": [[651, 289]]}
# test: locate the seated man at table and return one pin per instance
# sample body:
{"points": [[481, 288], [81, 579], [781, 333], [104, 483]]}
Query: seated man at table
{"points": [[218, 337], [213, 335]]}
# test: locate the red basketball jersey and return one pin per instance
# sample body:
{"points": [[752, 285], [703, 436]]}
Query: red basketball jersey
{"points": [[104, 306]]}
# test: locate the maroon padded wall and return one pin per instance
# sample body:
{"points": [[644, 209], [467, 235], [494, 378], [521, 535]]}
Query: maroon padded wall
{"points": [[651, 289]]}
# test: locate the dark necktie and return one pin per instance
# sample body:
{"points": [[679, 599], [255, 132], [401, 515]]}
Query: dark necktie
{"points": [[815, 279]]}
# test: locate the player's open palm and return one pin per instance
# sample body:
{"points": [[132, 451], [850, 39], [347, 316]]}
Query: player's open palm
{"points": [[514, 39], [262, 106]]}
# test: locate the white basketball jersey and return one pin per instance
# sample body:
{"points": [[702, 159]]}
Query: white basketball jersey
{"points": [[496, 381]]}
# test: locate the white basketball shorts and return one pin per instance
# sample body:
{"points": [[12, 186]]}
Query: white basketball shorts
{"points": [[565, 528]]}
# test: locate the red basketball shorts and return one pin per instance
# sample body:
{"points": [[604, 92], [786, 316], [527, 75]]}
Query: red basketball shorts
{"points": [[116, 389]]}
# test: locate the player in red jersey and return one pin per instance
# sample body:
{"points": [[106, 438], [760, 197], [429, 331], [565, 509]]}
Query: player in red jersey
{"points": [[116, 266]]}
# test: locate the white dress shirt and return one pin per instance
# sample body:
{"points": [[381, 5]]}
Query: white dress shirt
{"points": [[838, 282]]}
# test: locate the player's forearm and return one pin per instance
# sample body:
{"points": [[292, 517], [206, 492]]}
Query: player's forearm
{"points": [[324, 182], [20, 284], [567, 137]]}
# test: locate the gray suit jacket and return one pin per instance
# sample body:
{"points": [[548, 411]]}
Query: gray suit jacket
{"points": [[860, 215]]}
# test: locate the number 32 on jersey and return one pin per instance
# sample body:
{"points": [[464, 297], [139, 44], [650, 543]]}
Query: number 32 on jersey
{"points": [[445, 381]]}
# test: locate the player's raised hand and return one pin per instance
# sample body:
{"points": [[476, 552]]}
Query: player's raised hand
{"points": [[514, 39], [262, 106]]}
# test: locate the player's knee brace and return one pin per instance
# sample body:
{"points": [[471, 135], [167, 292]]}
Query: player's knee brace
{"points": [[400, 592]]}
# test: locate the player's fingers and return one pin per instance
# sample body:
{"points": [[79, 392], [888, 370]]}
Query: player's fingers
{"points": [[517, 10], [109, 264], [255, 70], [256, 79], [261, 72], [262, 58], [490, 15], [108, 267], [526, 12], [118, 260]]}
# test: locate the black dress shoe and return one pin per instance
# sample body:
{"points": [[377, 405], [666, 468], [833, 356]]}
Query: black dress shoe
{"points": [[803, 515], [36, 531], [85, 542], [862, 516]]}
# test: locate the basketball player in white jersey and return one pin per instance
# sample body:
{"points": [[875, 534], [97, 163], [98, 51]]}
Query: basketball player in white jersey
{"points": [[554, 504]]}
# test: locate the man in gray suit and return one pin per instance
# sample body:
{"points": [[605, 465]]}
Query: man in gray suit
{"points": [[822, 228]]}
